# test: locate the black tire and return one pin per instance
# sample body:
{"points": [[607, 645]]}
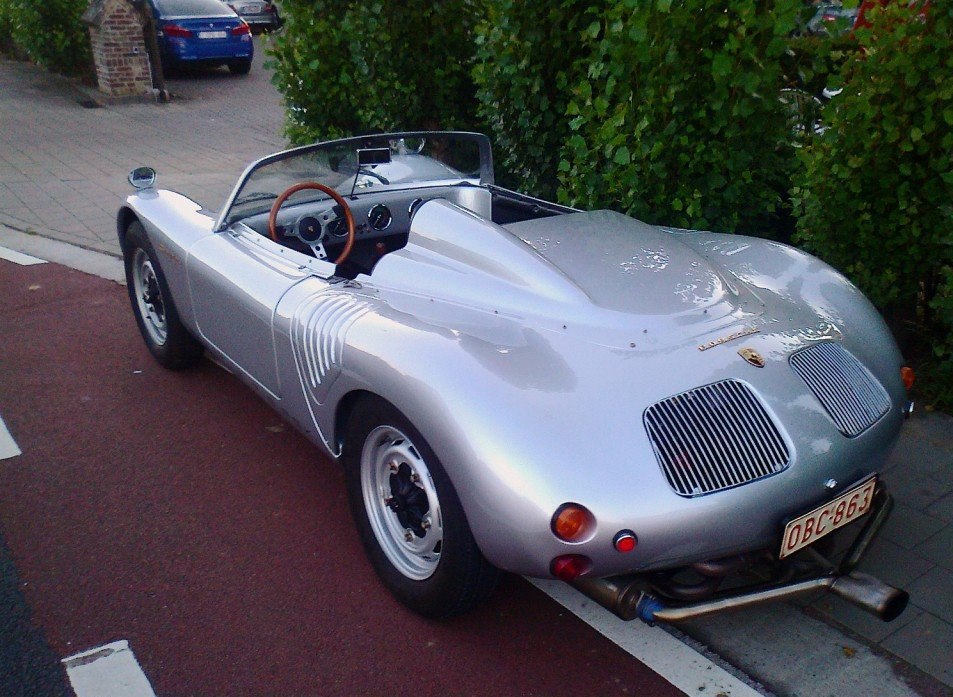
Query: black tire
{"points": [[240, 67], [165, 335], [435, 569]]}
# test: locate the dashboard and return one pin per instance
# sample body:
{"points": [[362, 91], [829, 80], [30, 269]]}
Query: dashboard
{"points": [[381, 219]]}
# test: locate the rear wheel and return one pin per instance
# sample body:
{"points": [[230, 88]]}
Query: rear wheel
{"points": [[165, 335], [240, 67], [409, 516]]}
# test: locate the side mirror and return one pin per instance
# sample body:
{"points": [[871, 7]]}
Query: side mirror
{"points": [[142, 177]]}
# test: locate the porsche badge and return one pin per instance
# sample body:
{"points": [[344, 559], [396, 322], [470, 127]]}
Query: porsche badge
{"points": [[752, 356]]}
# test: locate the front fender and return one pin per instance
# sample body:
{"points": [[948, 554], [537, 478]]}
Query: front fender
{"points": [[173, 223]]}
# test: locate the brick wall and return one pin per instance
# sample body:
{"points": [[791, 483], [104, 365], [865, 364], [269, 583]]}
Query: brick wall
{"points": [[119, 51]]}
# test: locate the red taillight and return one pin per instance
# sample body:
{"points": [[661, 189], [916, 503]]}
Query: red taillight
{"points": [[906, 374], [572, 522], [570, 566], [625, 541], [241, 29], [177, 31]]}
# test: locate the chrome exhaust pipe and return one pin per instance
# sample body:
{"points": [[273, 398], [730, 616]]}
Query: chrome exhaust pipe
{"points": [[627, 598], [871, 594], [620, 595]]}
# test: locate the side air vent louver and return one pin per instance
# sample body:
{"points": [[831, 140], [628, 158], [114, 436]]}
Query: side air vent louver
{"points": [[850, 394], [713, 438]]}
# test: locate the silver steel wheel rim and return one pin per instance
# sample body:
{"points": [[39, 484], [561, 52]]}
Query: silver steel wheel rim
{"points": [[149, 297], [394, 475]]}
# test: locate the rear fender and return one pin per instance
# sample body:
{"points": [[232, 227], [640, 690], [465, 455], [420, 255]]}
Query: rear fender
{"points": [[789, 277]]}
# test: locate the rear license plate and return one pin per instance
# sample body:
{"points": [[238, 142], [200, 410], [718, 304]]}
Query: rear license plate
{"points": [[251, 9], [810, 527], [212, 34]]}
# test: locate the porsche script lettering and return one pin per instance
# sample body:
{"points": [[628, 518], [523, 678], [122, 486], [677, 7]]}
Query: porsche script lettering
{"points": [[725, 339]]}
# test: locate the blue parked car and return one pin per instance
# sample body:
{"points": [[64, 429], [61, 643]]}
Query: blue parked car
{"points": [[202, 31]]}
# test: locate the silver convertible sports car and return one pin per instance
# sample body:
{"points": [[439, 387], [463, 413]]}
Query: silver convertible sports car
{"points": [[675, 422]]}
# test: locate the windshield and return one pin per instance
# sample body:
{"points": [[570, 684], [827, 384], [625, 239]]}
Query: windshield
{"points": [[366, 163]]}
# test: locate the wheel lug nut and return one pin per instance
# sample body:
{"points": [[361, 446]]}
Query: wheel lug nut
{"points": [[425, 523], [408, 536], [392, 466]]}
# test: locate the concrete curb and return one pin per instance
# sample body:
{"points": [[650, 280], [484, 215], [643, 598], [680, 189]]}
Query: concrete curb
{"points": [[95, 263]]}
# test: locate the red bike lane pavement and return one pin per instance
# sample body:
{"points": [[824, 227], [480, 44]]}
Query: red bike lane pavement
{"points": [[177, 511]]}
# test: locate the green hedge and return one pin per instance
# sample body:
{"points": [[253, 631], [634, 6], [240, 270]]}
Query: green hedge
{"points": [[50, 33], [937, 373], [357, 67], [677, 120], [527, 60], [6, 26], [875, 197]]}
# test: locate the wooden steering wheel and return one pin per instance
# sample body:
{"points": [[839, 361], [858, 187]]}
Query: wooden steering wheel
{"points": [[348, 217]]}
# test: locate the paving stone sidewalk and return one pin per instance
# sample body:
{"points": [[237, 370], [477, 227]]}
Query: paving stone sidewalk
{"points": [[63, 173], [63, 166]]}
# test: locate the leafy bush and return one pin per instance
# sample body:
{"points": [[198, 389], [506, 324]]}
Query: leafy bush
{"points": [[876, 194], [812, 63], [347, 68], [6, 25], [677, 119], [527, 59], [50, 33], [937, 368]]}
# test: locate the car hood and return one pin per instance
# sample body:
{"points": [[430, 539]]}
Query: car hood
{"points": [[601, 270]]}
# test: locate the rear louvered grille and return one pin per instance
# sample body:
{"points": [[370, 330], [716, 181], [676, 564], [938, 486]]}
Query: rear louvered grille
{"points": [[713, 438], [850, 394]]}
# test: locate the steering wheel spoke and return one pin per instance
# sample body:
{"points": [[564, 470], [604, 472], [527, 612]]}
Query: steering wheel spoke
{"points": [[318, 246]]}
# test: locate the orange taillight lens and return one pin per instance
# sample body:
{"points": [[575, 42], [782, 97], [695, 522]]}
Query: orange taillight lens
{"points": [[906, 374], [572, 522]]}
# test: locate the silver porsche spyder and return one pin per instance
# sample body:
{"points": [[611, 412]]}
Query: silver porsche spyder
{"points": [[675, 422]]}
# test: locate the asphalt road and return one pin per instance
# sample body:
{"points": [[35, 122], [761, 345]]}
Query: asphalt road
{"points": [[177, 512]]}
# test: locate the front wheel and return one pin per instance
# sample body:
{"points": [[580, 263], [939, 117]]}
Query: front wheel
{"points": [[409, 516], [165, 335]]}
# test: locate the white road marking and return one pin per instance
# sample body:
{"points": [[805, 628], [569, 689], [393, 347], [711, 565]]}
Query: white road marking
{"points": [[8, 446], [107, 671], [678, 663], [19, 257]]}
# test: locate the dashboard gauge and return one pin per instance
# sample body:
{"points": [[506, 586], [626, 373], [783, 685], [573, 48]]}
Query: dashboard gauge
{"points": [[380, 217], [338, 227]]}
